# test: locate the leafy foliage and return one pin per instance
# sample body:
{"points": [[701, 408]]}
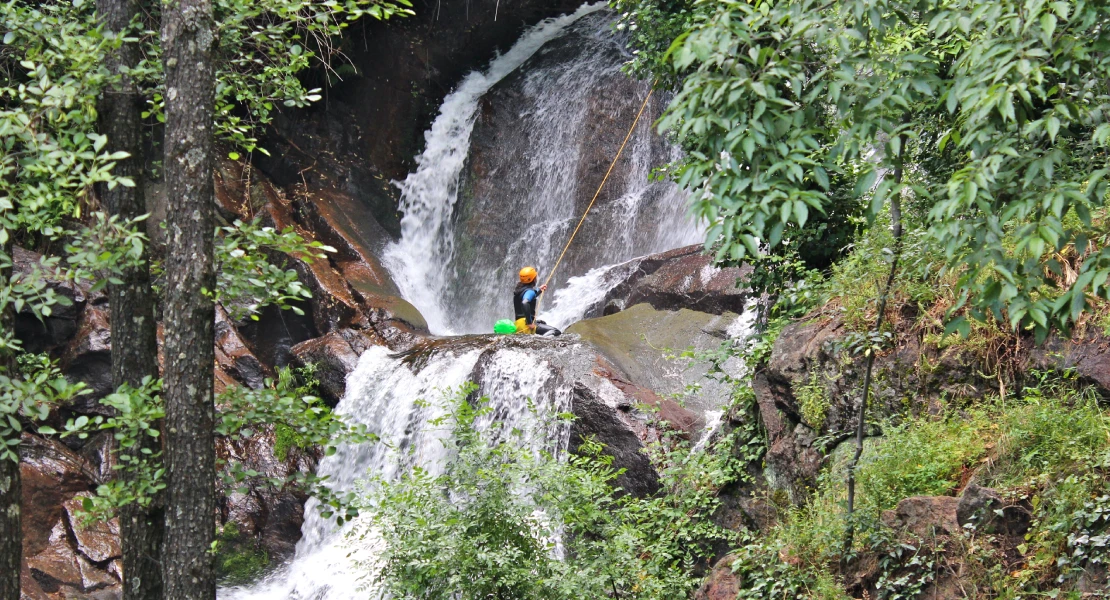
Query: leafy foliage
{"points": [[30, 393], [997, 108], [247, 280], [502, 521]]}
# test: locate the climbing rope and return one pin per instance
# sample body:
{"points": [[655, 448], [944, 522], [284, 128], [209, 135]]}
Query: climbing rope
{"points": [[598, 192]]}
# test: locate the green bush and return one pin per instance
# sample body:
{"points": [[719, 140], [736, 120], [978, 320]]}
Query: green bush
{"points": [[920, 457], [503, 522]]}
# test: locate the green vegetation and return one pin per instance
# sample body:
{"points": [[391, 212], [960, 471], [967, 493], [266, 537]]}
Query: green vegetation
{"points": [[1048, 449], [238, 560], [488, 525]]}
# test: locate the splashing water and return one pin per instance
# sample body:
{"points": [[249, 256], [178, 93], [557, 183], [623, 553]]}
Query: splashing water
{"points": [[398, 404], [476, 210]]}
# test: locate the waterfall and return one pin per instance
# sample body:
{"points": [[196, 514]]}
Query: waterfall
{"points": [[397, 401], [550, 114]]}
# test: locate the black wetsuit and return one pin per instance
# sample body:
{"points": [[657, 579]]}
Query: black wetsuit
{"points": [[525, 297]]}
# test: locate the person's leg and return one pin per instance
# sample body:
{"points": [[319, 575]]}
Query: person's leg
{"points": [[545, 329]]}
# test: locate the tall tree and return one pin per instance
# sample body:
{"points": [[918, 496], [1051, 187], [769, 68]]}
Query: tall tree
{"points": [[11, 532], [188, 44], [134, 342]]}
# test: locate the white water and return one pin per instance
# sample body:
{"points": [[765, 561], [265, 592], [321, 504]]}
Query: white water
{"points": [[458, 257], [397, 403], [429, 194]]}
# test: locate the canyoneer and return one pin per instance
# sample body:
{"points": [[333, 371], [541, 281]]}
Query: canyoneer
{"points": [[525, 298]]}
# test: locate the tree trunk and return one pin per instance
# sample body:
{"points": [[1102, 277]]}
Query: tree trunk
{"points": [[861, 415], [188, 36], [11, 532], [134, 343], [11, 529]]}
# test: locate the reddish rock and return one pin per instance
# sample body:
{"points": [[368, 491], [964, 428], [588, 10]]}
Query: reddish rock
{"points": [[234, 356], [265, 515], [721, 584], [51, 475], [924, 515], [98, 541], [61, 557], [335, 355]]}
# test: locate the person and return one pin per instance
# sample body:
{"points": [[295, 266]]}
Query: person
{"points": [[525, 299]]}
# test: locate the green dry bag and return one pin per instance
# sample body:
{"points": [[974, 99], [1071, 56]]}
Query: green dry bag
{"points": [[504, 326]]}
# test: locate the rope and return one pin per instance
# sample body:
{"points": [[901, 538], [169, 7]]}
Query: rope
{"points": [[598, 192]]}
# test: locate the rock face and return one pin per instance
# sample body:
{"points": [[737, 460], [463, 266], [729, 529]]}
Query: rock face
{"points": [[62, 556], [721, 584], [403, 68], [639, 339], [987, 512], [335, 356], [265, 517], [681, 278], [924, 515]]}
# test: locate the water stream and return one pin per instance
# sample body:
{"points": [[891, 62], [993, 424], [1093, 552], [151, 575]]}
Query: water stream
{"points": [[475, 211]]}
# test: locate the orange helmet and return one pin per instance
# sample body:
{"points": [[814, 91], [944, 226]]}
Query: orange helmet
{"points": [[528, 274]]}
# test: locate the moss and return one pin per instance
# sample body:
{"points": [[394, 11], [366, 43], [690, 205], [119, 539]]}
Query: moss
{"points": [[238, 560], [284, 441]]}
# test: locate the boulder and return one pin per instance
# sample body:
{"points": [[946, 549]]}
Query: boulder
{"points": [[793, 463], [721, 584], [88, 358], [97, 541], [608, 407], [335, 356], [265, 516], [681, 278], [234, 356], [62, 558], [924, 516], [985, 509], [641, 341]]}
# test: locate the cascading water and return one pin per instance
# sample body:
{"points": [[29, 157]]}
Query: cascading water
{"points": [[550, 114], [476, 210], [397, 401]]}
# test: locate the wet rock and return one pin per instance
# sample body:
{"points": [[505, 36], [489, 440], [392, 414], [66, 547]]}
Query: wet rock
{"points": [[721, 584], [62, 558], [349, 283], [680, 278], [88, 358], [335, 355], [48, 333], [265, 516], [924, 515], [988, 512], [98, 541], [404, 68], [233, 354], [639, 339], [610, 422], [276, 331], [51, 475]]}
